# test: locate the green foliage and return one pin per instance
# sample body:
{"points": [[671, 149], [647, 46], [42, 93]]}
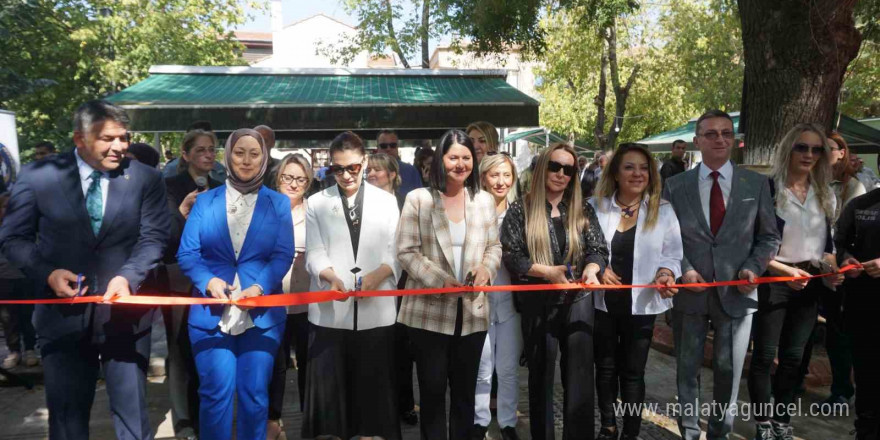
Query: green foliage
{"points": [[861, 89], [64, 52]]}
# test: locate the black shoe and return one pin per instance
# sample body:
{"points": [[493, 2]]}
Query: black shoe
{"points": [[509, 433], [629, 437], [763, 431], [782, 431], [607, 433], [479, 432], [410, 417], [867, 429]]}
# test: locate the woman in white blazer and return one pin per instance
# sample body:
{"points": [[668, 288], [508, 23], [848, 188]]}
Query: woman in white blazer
{"points": [[644, 239], [350, 230]]}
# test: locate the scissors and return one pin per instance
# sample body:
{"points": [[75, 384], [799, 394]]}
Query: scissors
{"points": [[79, 284], [469, 279]]}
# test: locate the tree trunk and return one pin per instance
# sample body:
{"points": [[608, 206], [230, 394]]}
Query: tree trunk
{"points": [[796, 54], [393, 36], [426, 11], [620, 93], [599, 100]]}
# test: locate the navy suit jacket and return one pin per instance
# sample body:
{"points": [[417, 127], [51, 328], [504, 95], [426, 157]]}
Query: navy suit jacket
{"points": [[266, 255], [47, 228]]}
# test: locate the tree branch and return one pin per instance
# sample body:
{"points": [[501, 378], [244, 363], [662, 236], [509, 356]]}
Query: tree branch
{"points": [[390, 25], [426, 57]]}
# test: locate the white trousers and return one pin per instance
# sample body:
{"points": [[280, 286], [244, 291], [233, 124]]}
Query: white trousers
{"points": [[501, 353]]}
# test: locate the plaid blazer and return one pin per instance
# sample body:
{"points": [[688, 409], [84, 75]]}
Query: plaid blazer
{"points": [[424, 249]]}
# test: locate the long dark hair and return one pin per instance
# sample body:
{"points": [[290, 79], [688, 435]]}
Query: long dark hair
{"points": [[438, 170]]}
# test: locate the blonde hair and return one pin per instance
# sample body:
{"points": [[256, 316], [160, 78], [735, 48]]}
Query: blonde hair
{"points": [[535, 204], [820, 174], [488, 131], [493, 161], [608, 182], [387, 163], [300, 160]]}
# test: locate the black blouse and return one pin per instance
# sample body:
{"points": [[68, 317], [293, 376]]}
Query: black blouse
{"points": [[619, 302]]}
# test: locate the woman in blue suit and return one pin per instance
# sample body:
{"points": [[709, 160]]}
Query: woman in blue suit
{"points": [[237, 243]]}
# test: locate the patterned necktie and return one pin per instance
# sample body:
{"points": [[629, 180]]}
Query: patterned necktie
{"points": [[94, 202], [716, 204]]}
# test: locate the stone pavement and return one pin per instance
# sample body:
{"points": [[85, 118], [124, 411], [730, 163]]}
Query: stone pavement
{"points": [[23, 414]]}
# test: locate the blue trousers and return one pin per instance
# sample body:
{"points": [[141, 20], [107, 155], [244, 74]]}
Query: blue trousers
{"points": [[234, 365]]}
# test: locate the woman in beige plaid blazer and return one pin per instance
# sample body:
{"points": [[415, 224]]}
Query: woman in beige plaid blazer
{"points": [[446, 232]]}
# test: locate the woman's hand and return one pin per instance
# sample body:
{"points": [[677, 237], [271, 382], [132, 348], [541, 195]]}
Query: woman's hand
{"points": [[693, 277], [836, 279], [609, 277], [556, 274], [218, 288], [372, 280], [188, 202], [798, 284], [481, 276], [591, 274], [337, 285], [452, 283], [872, 268], [853, 273], [250, 292], [666, 278]]}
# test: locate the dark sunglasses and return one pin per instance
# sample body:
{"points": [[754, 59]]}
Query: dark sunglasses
{"points": [[503, 153], [554, 167], [388, 145], [352, 169], [804, 148]]}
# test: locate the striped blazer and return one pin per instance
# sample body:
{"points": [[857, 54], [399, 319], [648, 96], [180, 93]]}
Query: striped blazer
{"points": [[424, 249]]}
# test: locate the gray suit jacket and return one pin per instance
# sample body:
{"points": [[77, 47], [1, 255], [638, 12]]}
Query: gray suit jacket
{"points": [[748, 238]]}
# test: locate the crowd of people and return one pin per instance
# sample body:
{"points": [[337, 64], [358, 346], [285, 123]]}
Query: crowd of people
{"points": [[103, 220]]}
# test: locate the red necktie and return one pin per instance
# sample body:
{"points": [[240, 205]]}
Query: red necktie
{"points": [[716, 204]]}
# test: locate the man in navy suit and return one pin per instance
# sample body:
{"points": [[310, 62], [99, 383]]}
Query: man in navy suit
{"points": [[95, 219]]}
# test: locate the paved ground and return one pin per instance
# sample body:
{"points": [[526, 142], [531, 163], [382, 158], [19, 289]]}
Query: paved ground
{"points": [[23, 414]]}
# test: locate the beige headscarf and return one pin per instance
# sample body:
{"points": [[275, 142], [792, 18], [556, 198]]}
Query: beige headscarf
{"points": [[254, 184]]}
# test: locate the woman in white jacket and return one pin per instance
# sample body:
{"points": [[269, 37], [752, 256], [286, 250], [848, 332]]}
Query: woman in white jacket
{"points": [[503, 344], [350, 229], [644, 239]]}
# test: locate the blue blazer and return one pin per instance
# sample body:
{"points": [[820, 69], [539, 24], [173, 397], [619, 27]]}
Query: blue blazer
{"points": [[47, 227], [206, 252]]}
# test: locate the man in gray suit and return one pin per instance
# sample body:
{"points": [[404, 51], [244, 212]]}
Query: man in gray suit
{"points": [[728, 228]]}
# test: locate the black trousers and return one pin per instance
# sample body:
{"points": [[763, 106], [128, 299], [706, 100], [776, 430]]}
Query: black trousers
{"points": [[567, 330], [71, 364], [296, 333], [183, 378], [838, 343], [403, 364], [622, 343], [862, 303], [16, 318], [785, 320], [440, 360]]}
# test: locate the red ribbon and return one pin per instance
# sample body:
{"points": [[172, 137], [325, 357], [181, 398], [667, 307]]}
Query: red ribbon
{"points": [[295, 299]]}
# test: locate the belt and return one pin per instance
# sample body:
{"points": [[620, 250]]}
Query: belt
{"points": [[806, 266]]}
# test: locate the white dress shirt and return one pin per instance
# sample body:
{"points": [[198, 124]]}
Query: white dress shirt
{"points": [[85, 179], [725, 180], [654, 248], [805, 232], [239, 212]]}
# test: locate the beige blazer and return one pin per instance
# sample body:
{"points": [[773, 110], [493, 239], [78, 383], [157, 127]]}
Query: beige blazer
{"points": [[424, 249]]}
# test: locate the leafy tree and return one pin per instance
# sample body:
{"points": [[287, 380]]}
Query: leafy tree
{"points": [[65, 52]]}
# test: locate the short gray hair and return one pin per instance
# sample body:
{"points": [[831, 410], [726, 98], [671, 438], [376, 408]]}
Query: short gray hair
{"points": [[97, 111]]}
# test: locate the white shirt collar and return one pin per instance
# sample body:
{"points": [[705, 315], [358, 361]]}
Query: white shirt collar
{"points": [[726, 171], [235, 195], [85, 170]]}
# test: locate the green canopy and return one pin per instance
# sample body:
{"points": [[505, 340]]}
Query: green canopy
{"points": [[859, 136], [308, 101], [539, 136]]}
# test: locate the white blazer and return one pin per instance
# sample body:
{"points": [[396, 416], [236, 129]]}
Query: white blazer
{"points": [[655, 248], [328, 245]]}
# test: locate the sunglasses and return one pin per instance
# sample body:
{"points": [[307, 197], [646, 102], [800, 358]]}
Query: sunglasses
{"points": [[352, 169], [388, 145], [554, 167], [804, 148], [503, 153]]}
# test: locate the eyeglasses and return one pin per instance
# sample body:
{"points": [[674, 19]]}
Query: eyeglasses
{"points": [[804, 148], [503, 153], [352, 169], [554, 167], [388, 145], [713, 135], [287, 179]]}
